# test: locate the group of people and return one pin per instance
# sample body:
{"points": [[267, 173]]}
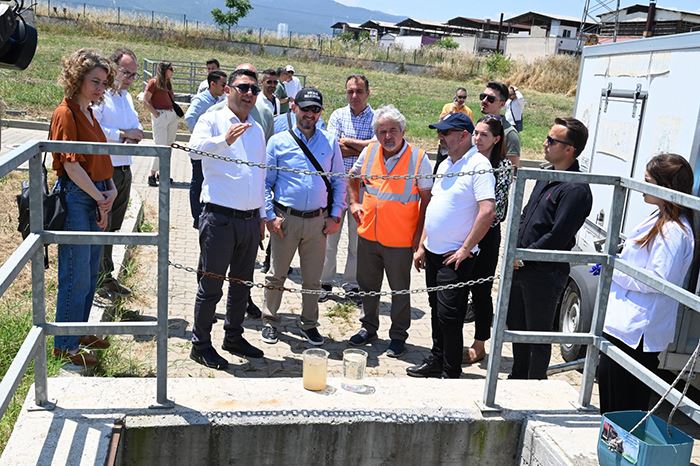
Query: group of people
{"points": [[449, 226]]}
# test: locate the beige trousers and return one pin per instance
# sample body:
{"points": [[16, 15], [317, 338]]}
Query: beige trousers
{"points": [[164, 131]]}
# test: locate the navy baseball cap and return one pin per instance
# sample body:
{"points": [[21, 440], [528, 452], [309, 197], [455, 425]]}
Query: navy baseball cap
{"points": [[309, 97], [454, 121]]}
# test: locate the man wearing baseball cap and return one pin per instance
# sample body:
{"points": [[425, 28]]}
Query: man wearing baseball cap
{"points": [[460, 213], [301, 210], [292, 85]]}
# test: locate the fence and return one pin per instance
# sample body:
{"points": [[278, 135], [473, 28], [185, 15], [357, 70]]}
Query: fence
{"points": [[188, 74], [31, 249], [594, 340], [317, 45]]}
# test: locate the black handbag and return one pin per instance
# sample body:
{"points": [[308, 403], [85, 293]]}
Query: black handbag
{"points": [[54, 206], [176, 108]]}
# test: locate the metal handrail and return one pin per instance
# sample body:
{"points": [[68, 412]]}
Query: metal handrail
{"points": [[34, 345], [609, 261]]}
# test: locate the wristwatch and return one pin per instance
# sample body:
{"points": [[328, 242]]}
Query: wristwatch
{"points": [[335, 219]]}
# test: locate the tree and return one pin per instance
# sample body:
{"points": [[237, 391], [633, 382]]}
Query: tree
{"points": [[237, 9]]}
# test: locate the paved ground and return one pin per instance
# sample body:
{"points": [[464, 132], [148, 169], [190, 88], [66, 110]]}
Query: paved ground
{"points": [[284, 358]]}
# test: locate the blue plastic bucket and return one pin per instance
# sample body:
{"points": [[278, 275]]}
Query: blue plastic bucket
{"points": [[650, 445]]}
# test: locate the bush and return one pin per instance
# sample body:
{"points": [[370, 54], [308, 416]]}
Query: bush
{"points": [[497, 64], [447, 43]]}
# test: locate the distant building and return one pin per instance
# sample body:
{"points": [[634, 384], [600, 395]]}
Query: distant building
{"points": [[632, 21]]}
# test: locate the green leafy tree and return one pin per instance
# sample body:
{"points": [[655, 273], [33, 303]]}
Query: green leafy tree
{"points": [[446, 43], [237, 9]]}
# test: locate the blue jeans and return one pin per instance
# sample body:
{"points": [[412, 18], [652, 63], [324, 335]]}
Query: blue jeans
{"points": [[78, 265]]}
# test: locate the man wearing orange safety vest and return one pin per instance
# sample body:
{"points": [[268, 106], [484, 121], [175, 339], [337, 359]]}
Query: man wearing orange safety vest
{"points": [[390, 221]]}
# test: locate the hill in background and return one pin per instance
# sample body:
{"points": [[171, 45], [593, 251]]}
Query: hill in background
{"points": [[308, 17]]}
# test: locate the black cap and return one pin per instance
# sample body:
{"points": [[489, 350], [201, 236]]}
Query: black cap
{"points": [[308, 97], [454, 121]]}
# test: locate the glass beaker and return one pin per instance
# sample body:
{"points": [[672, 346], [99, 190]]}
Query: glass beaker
{"points": [[315, 368], [354, 364]]}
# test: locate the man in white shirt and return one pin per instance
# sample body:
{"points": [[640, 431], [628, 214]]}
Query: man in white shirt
{"points": [[212, 65], [515, 105], [120, 123], [269, 85], [292, 85], [460, 213], [230, 227]]}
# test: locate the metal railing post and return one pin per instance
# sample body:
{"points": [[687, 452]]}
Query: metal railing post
{"points": [[163, 255], [516, 206], [601, 302], [36, 225]]}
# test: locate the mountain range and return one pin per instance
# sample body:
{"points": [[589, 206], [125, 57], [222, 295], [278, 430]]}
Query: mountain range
{"points": [[307, 17]]}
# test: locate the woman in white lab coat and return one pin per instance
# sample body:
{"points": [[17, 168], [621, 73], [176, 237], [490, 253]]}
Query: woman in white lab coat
{"points": [[640, 320]]}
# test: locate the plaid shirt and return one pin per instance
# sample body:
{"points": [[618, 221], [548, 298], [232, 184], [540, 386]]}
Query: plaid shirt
{"points": [[343, 124]]}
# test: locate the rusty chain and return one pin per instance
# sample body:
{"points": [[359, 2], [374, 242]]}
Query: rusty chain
{"points": [[336, 174], [342, 294]]}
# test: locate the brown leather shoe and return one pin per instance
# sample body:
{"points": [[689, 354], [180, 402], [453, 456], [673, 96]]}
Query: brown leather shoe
{"points": [[81, 358], [93, 342]]}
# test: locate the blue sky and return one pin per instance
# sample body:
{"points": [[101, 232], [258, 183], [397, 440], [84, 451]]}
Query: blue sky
{"points": [[442, 10]]}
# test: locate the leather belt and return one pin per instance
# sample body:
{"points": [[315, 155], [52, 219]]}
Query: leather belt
{"points": [[235, 213], [299, 213]]}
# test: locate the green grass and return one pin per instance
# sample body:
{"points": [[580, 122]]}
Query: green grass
{"points": [[420, 98], [343, 311]]}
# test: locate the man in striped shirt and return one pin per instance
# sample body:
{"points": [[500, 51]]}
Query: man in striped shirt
{"points": [[352, 127]]}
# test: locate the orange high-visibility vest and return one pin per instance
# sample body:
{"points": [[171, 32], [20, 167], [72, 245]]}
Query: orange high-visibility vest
{"points": [[391, 207]]}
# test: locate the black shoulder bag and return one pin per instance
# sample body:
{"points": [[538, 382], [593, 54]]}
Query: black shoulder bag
{"points": [[54, 214], [176, 108], [318, 167]]}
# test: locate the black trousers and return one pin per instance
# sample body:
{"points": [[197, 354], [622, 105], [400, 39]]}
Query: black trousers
{"points": [[619, 389], [122, 182], [447, 310], [534, 294], [226, 244], [485, 266]]}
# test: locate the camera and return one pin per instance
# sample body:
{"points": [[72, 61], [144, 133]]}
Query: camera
{"points": [[18, 39]]}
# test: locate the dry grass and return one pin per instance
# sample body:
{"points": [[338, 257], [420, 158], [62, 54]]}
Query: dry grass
{"points": [[556, 74]]}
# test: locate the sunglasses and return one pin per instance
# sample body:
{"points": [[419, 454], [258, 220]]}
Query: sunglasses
{"points": [[271, 81], [491, 98], [312, 109], [244, 88], [445, 132], [461, 97], [551, 141]]}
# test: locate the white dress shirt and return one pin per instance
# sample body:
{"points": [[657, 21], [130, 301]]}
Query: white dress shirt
{"points": [[454, 204], [292, 87], [230, 184], [114, 113], [636, 310]]}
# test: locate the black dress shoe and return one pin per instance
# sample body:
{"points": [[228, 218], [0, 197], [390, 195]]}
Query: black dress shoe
{"points": [[253, 310], [208, 357], [428, 368], [242, 348]]}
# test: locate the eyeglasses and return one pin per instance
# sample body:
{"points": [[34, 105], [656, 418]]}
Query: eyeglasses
{"points": [[461, 97], [271, 81], [551, 141], [245, 88], [129, 75], [312, 109], [445, 132], [491, 98]]}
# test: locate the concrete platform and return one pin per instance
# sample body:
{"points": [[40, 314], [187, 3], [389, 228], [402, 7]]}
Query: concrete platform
{"points": [[436, 419]]}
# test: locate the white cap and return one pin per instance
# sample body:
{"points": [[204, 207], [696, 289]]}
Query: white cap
{"points": [[289, 68]]}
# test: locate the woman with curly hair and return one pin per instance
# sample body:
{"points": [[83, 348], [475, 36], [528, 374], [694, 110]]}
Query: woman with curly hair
{"points": [[640, 320], [86, 182], [158, 99]]}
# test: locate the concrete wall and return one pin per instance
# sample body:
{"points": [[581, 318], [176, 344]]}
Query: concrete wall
{"points": [[260, 440], [530, 48], [466, 43], [409, 42]]}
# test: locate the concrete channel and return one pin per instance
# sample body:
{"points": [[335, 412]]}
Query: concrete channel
{"points": [[275, 421]]}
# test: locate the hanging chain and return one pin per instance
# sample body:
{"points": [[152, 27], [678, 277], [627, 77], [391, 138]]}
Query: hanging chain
{"points": [[336, 174], [343, 294]]}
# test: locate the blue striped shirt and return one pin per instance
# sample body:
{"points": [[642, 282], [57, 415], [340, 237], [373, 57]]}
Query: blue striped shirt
{"points": [[343, 124]]}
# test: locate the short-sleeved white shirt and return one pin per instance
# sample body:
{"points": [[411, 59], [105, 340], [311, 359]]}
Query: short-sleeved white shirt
{"points": [[454, 205]]}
